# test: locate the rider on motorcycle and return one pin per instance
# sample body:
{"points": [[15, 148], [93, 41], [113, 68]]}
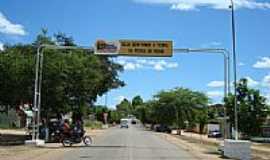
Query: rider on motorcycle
{"points": [[75, 134], [78, 128], [66, 128]]}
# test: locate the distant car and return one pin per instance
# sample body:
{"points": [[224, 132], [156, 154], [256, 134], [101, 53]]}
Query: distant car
{"points": [[214, 134], [162, 128], [124, 124], [133, 121]]}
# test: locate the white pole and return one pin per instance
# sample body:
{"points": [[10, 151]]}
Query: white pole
{"points": [[235, 70]]}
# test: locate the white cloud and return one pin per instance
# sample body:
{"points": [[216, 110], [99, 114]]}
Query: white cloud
{"points": [[241, 64], [158, 65], [121, 61], [215, 94], [266, 81], [186, 5], [216, 84], [8, 27], [1, 46], [211, 44], [264, 62], [172, 65], [130, 66], [183, 7], [252, 82], [142, 61]]}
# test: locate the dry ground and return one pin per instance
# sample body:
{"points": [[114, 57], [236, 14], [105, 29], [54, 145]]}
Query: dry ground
{"points": [[48, 152]]}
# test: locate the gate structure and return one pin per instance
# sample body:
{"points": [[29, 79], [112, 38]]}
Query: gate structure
{"points": [[39, 71]]}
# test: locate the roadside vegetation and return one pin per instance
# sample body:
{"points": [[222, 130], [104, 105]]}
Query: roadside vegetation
{"points": [[72, 79], [182, 108]]}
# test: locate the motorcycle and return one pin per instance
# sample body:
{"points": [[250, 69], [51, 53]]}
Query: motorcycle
{"points": [[75, 138], [55, 131]]}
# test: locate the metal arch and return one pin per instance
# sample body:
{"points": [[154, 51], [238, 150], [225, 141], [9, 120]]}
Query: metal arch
{"points": [[39, 71]]}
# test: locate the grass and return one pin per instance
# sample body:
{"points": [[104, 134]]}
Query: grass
{"points": [[5, 126], [93, 124]]}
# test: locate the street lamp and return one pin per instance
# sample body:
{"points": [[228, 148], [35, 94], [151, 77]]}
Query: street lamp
{"points": [[226, 56], [234, 69]]}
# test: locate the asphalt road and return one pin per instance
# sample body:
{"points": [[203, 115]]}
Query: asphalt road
{"points": [[129, 144]]}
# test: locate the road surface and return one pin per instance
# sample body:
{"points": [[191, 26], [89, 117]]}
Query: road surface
{"points": [[129, 144]]}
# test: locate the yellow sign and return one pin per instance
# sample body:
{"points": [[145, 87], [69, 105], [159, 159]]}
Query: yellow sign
{"points": [[146, 48]]}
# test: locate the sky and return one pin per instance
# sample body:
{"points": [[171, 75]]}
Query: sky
{"points": [[188, 23]]}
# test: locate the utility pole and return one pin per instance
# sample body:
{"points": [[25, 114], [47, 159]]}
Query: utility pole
{"points": [[234, 69]]}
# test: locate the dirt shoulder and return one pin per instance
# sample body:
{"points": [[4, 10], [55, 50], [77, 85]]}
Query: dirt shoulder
{"points": [[207, 148], [199, 149], [48, 152], [260, 151]]}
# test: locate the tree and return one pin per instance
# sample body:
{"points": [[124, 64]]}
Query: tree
{"points": [[16, 75], [146, 112], [63, 40], [202, 119], [136, 102], [252, 109], [164, 108], [99, 111], [115, 116], [72, 79], [178, 106], [124, 107], [140, 113]]}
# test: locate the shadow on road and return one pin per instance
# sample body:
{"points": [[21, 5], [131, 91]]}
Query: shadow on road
{"points": [[81, 146], [216, 153], [12, 139], [109, 147]]}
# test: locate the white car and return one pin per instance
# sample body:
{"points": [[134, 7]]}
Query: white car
{"points": [[124, 124]]}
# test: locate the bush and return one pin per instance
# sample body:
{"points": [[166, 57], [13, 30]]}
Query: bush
{"points": [[93, 124], [4, 126]]}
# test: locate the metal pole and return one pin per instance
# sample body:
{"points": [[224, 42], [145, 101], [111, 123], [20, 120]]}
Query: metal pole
{"points": [[229, 87], [226, 55], [225, 94], [39, 90], [106, 99], [229, 74], [36, 94], [235, 70], [38, 82], [177, 120]]}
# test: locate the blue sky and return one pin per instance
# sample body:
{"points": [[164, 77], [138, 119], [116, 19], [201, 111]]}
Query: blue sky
{"points": [[189, 23]]}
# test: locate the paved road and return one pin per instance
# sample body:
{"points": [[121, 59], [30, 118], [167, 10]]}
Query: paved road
{"points": [[129, 144]]}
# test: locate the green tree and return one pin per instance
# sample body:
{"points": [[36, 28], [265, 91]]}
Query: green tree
{"points": [[201, 119], [135, 103], [137, 100], [72, 79], [124, 108], [16, 75], [179, 105], [115, 116], [99, 110], [252, 109]]}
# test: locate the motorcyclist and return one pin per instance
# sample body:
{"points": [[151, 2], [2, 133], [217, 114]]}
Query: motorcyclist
{"points": [[78, 128], [66, 128]]}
